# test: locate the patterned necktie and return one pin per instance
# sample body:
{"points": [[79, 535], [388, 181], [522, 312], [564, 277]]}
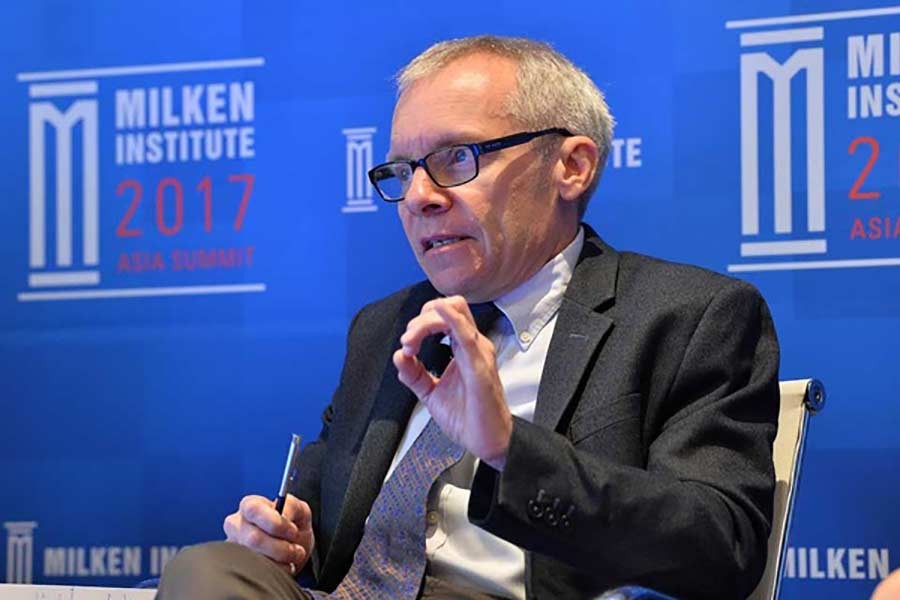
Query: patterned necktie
{"points": [[390, 559]]}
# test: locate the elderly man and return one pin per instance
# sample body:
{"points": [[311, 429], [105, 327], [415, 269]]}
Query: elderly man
{"points": [[605, 418]]}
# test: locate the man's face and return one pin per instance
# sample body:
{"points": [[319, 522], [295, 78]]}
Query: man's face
{"points": [[496, 231]]}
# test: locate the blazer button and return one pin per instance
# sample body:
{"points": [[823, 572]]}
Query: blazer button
{"points": [[536, 506], [566, 519], [552, 514]]}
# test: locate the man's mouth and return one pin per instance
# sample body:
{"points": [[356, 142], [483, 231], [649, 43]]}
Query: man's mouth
{"points": [[440, 241]]}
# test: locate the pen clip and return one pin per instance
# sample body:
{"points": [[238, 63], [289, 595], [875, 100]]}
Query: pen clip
{"points": [[290, 466]]}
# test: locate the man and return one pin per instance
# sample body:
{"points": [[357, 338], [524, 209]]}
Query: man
{"points": [[615, 423]]}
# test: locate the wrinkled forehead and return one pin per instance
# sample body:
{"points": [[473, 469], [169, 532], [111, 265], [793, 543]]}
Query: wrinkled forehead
{"points": [[465, 101]]}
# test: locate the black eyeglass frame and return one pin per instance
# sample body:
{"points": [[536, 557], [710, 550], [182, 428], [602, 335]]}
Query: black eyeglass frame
{"points": [[477, 149]]}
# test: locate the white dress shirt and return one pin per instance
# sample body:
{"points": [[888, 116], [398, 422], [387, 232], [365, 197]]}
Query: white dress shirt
{"points": [[458, 551]]}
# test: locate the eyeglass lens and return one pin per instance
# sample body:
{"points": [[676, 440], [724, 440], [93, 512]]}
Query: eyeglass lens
{"points": [[447, 167]]}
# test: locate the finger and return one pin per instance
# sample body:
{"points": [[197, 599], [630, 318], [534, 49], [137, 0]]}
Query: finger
{"points": [[430, 322], [231, 526], [279, 550], [292, 569], [419, 328], [297, 512], [429, 306], [455, 300], [261, 512], [411, 373], [289, 568], [463, 331]]}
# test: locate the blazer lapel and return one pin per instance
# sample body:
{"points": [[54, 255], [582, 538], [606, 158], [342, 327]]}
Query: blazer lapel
{"points": [[390, 410], [580, 328]]}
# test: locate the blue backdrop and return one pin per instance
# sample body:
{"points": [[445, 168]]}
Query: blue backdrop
{"points": [[186, 235]]}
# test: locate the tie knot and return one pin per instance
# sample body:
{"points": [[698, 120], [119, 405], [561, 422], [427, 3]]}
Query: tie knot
{"points": [[485, 315]]}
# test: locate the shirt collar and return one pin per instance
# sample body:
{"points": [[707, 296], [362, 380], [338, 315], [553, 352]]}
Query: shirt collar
{"points": [[532, 305]]}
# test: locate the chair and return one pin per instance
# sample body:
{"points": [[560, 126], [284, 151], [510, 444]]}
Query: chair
{"points": [[799, 399]]}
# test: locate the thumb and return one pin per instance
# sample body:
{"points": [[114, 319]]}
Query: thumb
{"points": [[412, 373], [297, 512]]}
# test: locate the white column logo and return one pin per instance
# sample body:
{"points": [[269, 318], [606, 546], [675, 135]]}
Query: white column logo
{"points": [[810, 60], [66, 266], [20, 551], [359, 162]]}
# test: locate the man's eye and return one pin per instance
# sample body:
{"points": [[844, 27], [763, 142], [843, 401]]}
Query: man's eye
{"points": [[460, 155]]}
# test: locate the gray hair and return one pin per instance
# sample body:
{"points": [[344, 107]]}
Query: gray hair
{"points": [[550, 91]]}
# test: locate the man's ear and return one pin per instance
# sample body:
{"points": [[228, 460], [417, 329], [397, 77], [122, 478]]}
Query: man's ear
{"points": [[577, 162]]}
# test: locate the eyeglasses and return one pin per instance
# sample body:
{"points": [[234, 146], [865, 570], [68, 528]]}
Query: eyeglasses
{"points": [[447, 167]]}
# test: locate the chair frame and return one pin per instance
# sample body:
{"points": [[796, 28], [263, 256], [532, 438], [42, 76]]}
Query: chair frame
{"points": [[814, 401]]}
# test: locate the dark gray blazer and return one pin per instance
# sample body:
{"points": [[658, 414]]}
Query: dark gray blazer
{"points": [[649, 459]]}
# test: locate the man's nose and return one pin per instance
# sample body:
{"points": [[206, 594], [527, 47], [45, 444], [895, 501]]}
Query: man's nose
{"points": [[424, 197]]}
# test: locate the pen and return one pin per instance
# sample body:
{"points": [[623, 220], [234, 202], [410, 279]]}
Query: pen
{"points": [[290, 472]]}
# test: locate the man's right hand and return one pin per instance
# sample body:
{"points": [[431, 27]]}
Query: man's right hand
{"points": [[285, 538]]}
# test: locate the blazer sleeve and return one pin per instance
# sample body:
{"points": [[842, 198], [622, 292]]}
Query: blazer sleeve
{"points": [[694, 520]]}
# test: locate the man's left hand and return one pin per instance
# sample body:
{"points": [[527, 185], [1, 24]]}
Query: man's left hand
{"points": [[467, 401]]}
